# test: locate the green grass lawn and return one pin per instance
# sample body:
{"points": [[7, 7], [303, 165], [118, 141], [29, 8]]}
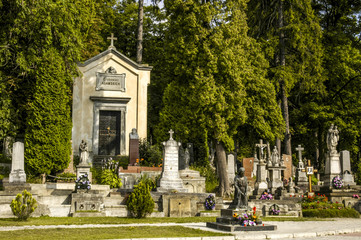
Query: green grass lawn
{"points": [[107, 233], [98, 220], [118, 220]]}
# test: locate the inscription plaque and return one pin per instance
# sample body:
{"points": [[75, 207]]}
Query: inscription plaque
{"points": [[110, 80]]}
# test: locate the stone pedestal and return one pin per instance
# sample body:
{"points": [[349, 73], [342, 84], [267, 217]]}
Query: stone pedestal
{"points": [[227, 223], [301, 177], [170, 180], [133, 147], [17, 174], [84, 204], [193, 181], [261, 182], [333, 168], [275, 178], [83, 169]]}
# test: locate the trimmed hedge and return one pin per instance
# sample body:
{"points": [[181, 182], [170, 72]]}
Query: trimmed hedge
{"points": [[331, 213]]}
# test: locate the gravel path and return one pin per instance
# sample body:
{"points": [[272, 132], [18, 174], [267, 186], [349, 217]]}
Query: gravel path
{"points": [[331, 230]]}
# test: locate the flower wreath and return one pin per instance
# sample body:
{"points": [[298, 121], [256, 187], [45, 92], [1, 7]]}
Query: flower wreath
{"points": [[210, 203], [337, 182]]}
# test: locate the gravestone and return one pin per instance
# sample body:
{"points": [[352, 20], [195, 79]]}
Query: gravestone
{"points": [[347, 175], [191, 153], [275, 171], [133, 147], [333, 164], [231, 167], [301, 178], [261, 182], [255, 163], [170, 179], [181, 158], [287, 160], [192, 179], [17, 174], [248, 164]]}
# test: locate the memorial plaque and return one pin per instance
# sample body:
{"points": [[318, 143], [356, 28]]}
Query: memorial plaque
{"points": [[109, 132], [110, 80]]}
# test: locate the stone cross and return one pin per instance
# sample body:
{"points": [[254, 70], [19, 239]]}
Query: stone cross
{"points": [[261, 146], [171, 134], [300, 149], [112, 38], [310, 171]]}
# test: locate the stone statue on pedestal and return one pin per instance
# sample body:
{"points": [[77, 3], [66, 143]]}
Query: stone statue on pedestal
{"points": [[240, 183], [332, 138], [83, 150]]}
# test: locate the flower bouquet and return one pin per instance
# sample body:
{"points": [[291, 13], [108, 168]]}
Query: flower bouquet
{"points": [[266, 196], [247, 219]]}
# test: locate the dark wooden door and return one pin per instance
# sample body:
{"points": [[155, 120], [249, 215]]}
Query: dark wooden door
{"points": [[109, 133]]}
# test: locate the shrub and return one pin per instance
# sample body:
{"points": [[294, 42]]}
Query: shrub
{"points": [[319, 206], [151, 183], [108, 177], [23, 205], [331, 213], [140, 202], [108, 173]]}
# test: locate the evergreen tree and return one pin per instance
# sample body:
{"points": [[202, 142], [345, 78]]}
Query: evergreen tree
{"points": [[140, 203], [212, 63], [41, 44], [291, 36]]}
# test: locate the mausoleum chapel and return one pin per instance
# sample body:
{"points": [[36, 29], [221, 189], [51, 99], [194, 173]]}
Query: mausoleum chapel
{"points": [[109, 100]]}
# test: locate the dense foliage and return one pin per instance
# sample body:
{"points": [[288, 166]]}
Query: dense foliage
{"points": [[223, 70], [41, 41]]}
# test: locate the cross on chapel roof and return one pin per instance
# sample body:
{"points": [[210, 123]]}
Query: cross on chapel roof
{"points": [[112, 38]]}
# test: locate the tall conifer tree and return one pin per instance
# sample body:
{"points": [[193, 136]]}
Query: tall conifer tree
{"points": [[212, 63], [291, 36]]}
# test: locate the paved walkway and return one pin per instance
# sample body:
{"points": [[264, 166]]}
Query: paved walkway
{"points": [[338, 229]]}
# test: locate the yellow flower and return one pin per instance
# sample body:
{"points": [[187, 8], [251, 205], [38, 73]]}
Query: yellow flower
{"points": [[137, 160], [142, 159], [235, 215]]}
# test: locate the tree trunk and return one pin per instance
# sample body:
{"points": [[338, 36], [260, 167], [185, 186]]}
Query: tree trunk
{"points": [[140, 32], [224, 188], [287, 140]]}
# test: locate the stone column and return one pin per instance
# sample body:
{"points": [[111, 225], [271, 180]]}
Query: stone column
{"points": [[17, 174], [261, 182]]}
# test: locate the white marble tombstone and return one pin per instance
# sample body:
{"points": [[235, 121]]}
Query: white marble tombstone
{"points": [[333, 164], [170, 179], [17, 174], [231, 167]]}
